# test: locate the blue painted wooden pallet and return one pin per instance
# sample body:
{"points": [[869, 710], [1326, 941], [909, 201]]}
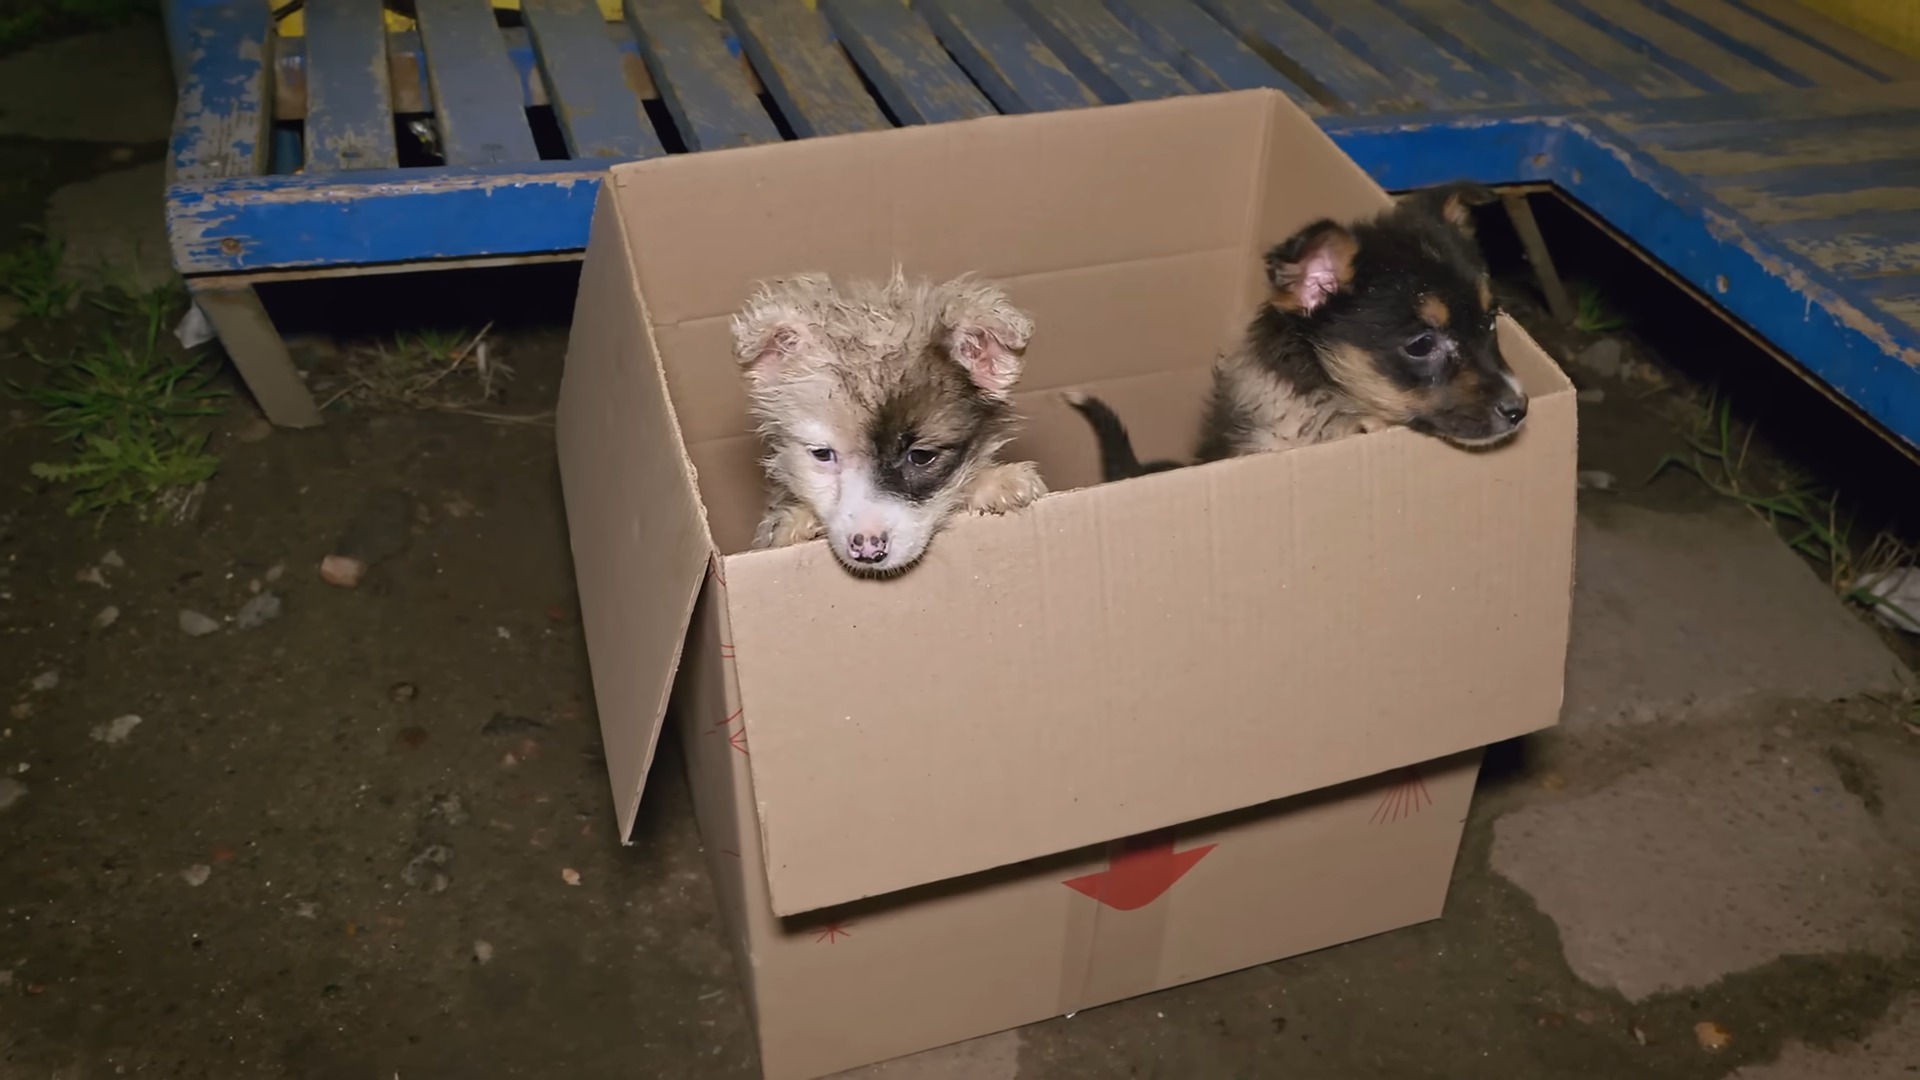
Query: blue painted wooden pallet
{"points": [[1761, 152]]}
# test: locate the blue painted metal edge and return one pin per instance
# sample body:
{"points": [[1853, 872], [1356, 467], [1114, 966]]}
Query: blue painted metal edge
{"points": [[370, 217], [1831, 330]]}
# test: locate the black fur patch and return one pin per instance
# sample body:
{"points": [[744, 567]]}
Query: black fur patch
{"points": [[931, 406]]}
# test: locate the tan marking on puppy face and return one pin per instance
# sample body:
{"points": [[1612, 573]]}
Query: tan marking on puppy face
{"points": [[1485, 288], [1456, 212], [1355, 371], [1433, 311]]}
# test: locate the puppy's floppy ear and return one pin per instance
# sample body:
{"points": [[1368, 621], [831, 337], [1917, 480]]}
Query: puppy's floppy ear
{"points": [[1452, 203], [767, 332], [1308, 268], [985, 334]]}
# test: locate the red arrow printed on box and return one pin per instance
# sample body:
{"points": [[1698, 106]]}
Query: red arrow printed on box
{"points": [[1142, 870]]}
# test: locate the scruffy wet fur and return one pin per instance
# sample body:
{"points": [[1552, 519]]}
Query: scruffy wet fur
{"points": [[883, 406], [1377, 324]]}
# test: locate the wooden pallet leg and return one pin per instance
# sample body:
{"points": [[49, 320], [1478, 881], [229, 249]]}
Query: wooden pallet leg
{"points": [[255, 346], [1558, 302]]}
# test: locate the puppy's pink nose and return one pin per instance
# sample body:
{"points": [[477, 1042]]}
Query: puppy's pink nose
{"points": [[867, 547]]}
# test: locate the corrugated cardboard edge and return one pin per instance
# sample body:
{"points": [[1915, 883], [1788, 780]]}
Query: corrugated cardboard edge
{"points": [[636, 524]]}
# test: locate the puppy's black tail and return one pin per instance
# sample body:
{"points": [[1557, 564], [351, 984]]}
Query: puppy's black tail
{"points": [[1117, 459]]}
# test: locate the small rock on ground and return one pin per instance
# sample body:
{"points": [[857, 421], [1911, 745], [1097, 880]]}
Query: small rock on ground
{"points": [[342, 571], [11, 791], [258, 611], [425, 870], [196, 624], [116, 730]]}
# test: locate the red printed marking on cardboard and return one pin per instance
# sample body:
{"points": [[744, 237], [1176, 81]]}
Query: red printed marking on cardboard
{"points": [[1403, 800], [1138, 874]]}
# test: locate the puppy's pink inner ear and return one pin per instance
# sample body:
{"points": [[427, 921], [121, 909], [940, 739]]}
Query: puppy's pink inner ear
{"points": [[1319, 278], [992, 366]]}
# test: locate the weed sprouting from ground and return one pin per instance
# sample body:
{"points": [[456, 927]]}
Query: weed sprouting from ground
{"points": [[30, 273], [1811, 521], [128, 410], [1592, 314], [445, 370]]}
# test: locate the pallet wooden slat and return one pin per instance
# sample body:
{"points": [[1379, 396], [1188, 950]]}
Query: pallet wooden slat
{"points": [[1763, 148], [1799, 21], [1018, 74], [349, 101], [223, 115], [1304, 52], [1864, 183], [1700, 118], [1410, 59], [1580, 45], [1891, 287], [702, 84], [477, 94], [1465, 31], [1765, 45], [904, 61], [1858, 244], [1651, 33], [805, 72], [1101, 52], [1202, 50], [600, 114]]}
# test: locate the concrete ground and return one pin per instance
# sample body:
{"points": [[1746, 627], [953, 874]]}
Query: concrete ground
{"points": [[339, 844]]}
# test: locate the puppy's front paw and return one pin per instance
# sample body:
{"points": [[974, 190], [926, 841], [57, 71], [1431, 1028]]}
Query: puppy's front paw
{"points": [[785, 526], [1004, 488]]}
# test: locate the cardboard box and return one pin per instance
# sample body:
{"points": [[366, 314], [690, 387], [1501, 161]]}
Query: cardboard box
{"points": [[1273, 674]]}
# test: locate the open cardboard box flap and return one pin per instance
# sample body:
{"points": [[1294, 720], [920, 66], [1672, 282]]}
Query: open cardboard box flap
{"points": [[1118, 658]]}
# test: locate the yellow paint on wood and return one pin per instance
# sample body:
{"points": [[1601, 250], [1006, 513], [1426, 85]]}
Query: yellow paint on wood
{"points": [[1895, 23]]}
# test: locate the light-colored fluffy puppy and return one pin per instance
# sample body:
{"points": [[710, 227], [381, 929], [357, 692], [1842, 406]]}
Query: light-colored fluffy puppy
{"points": [[883, 406]]}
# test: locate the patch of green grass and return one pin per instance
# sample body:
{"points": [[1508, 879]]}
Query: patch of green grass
{"points": [[128, 412], [30, 273], [1592, 314], [1809, 520], [432, 347]]}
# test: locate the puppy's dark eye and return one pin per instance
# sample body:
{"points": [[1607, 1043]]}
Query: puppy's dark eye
{"points": [[921, 457], [821, 453], [1421, 347]]}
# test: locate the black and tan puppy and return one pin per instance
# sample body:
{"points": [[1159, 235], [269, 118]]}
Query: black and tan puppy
{"points": [[1380, 323]]}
